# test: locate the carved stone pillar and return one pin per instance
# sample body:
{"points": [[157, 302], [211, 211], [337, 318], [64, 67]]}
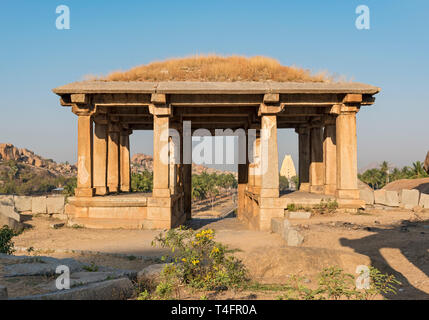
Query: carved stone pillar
{"points": [[84, 153], [100, 156], [125, 175], [317, 169], [113, 161], [330, 156]]}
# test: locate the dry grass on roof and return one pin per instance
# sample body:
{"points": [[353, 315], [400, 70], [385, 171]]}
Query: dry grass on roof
{"points": [[216, 68]]}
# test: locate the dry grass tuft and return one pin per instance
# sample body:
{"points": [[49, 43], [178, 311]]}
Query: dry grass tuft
{"points": [[217, 68]]}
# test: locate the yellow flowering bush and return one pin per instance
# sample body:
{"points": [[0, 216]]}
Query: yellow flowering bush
{"points": [[200, 261]]}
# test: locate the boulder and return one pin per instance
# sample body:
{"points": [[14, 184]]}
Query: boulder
{"points": [[409, 198], [55, 204], [39, 205], [424, 200], [22, 203], [366, 192], [294, 238], [151, 273]]}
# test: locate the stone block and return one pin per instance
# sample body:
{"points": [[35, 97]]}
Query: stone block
{"points": [[299, 215], [3, 293], [117, 289], [392, 199], [8, 210], [409, 198], [367, 195], [424, 200], [151, 273], [55, 204], [380, 196], [38, 205], [6, 200], [22, 203], [294, 238]]}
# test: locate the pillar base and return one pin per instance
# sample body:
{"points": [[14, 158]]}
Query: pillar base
{"points": [[304, 186], [317, 189], [113, 189], [348, 194], [125, 188], [330, 189], [101, 191], [269, 193], [84, 192], [161, 193]]}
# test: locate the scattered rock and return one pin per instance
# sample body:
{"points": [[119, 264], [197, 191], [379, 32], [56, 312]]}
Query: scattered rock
{"points": [[117, 289], [299, 215], [294, 238], [3, 293], [151, 273], [57, 225]]}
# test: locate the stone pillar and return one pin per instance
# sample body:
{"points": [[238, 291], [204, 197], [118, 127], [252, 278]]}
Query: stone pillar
{"points": [[347, 187], [187, 171], [173, 166], [125, 174], [317, 169], [161, 185], [330, 157], [113, 167], [243, 171], [269, 157], [100, 157], [84, 155], [257, 165], [304, 159]]}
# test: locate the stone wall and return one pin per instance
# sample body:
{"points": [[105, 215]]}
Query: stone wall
{"points": [[405, 198], [52, 205]]}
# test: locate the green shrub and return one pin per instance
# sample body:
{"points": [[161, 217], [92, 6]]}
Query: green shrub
{"points": [[6, 244], [199, 261]]}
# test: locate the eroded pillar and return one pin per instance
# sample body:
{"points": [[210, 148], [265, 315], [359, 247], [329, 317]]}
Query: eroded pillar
{"points": [[269, 173], [347, 153], [317, 170], [330, 156], [125, 165], [304, 158], [100, 156], [242, 176], [84, 152], [161, 174], [113, 161]]}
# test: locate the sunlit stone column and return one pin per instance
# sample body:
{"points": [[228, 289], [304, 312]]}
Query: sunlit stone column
{"points": [[161, 174], [330, 156], [186, 147], [304, 158], [125, 164], [347, 187], [84, 153], [243, 171], [269, 173], [113, 167], [100, 156], [317, 169]]}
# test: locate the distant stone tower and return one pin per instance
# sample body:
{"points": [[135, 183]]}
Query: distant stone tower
{"points": [[288, 169]]}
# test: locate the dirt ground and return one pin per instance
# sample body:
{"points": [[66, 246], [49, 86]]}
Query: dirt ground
{"points": [[394, 241]]}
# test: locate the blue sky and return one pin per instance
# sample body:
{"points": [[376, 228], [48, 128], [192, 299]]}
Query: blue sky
{"points": [[319, 35]]}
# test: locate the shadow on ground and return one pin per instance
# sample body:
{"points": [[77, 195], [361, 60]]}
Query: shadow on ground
{"points": [[417, 239]]}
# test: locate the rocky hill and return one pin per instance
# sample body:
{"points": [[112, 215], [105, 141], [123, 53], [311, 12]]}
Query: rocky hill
{"points": [[141, 162], [8, 152]]}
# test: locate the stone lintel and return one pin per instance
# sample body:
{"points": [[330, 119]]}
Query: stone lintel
{"points": [[158, 98], [101, 118], [270, 98], [160, 110], [269, 109], [83, 110], [80, 98], [352, 98]]}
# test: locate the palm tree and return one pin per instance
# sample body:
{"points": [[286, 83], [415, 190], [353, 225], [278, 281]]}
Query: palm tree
{"points": [[385, 170], [418, 170]]}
